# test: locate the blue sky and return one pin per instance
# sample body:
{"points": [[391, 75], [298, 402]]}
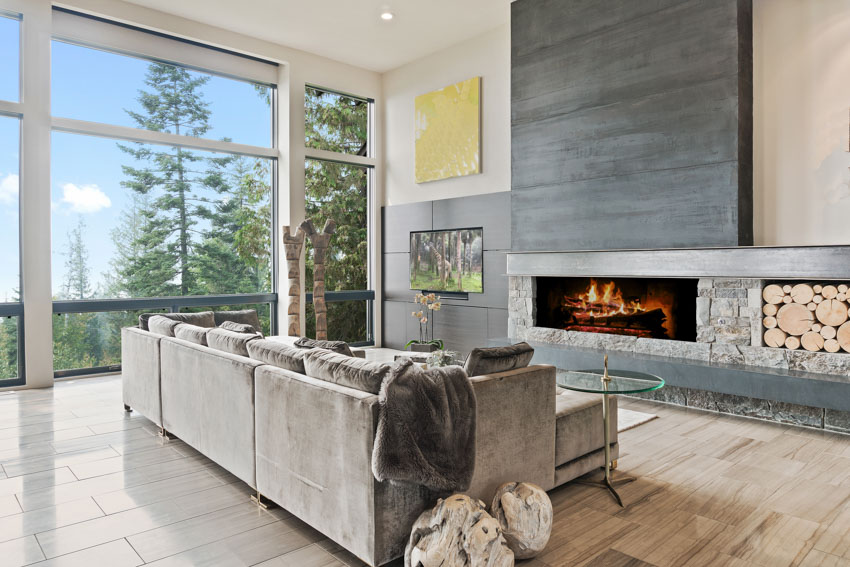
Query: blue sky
{"points": [[9, 136], [86, 173]]}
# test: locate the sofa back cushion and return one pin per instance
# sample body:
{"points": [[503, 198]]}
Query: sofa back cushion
{"points": [[345, 370], [162, 325], [240, 328], [202, 319], [230, 341], [191, 333], [493, 360], [278, 354], [245, 316], [340, 347]]}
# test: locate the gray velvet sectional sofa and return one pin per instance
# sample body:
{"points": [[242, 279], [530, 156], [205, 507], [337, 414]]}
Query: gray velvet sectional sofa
{"points": [[306, 443]]}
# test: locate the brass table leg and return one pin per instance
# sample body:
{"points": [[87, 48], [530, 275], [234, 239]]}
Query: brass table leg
{"points": [[608, 482]]}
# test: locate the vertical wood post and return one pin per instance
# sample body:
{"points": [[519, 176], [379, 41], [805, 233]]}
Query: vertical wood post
{"points": [[321, 242], [293, 245]]}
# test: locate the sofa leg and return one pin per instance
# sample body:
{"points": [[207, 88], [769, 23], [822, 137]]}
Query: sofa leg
{"points": [[165, 434], [127, 408], [614, 464], [262, 501]]}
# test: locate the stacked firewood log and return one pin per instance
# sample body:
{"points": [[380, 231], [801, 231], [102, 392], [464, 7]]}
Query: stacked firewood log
{"points": [[809, 316]]}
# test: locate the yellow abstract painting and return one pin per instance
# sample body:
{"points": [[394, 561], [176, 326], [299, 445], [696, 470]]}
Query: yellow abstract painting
{"points": [[447, 128]]}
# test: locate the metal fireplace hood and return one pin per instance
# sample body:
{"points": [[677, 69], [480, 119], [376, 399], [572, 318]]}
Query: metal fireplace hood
{"points": [[758, 262]]}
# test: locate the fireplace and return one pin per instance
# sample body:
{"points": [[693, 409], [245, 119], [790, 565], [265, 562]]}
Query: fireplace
{"points": [[658, 308]]}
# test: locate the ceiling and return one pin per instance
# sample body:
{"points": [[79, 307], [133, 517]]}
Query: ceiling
{"points": [[350, 31]]}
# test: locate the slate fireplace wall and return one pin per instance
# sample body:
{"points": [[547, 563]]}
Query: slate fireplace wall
{"points": [[631, 124]]}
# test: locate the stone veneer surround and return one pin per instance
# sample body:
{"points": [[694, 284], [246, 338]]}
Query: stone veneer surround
{"points": [[729, 330]]}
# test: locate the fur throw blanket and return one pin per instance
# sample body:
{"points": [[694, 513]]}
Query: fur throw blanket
{"points": [[426, 428]]}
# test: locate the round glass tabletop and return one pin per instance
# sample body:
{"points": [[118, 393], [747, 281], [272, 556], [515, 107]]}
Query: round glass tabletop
{"points": [[621, 381]]}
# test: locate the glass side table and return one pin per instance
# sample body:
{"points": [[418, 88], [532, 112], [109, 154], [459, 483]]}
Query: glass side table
{"points": [[608, 384]]}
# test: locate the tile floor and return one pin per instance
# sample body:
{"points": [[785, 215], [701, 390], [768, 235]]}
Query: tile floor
{"points": [[82, 483]]}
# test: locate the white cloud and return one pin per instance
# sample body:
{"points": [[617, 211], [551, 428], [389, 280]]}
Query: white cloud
{"points": [[9, 189], [85, 198]]}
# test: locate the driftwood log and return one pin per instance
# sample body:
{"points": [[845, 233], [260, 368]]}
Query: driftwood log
{"points": [[320, 241], [807, 315], [293, 245], [524, 513], [457, 532]]}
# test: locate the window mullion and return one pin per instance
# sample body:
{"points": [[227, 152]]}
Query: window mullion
{"points": [[74, 126], [338, 157], [13, 109]]}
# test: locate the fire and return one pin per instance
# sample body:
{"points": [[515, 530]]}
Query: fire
{"points": [[609, 302]]}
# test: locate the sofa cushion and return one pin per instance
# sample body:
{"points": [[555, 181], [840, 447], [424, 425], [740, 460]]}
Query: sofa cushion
{"points": [[578, 424], [334, 346], [246, 316], [345, 370], [191, 333], [164, 326], [278, 354], [230, 341], [202, 319], [240, 328], [493, 360]]}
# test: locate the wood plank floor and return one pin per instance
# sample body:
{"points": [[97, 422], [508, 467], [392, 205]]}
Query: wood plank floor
{"points": [[82, 483]]}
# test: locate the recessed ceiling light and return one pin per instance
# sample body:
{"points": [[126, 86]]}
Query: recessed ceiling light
{"points": [[386, 16]]}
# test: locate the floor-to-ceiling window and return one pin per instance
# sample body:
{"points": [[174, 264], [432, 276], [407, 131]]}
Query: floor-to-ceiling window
{"points": [[162, 185], [11, 308], [338, 187]]}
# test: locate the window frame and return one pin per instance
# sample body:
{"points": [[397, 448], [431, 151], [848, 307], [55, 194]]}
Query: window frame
{"points": [[370, 162], [15, 110], [105, 35]]}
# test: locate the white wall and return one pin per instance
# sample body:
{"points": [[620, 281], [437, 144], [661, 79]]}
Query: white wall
{"points": [[487, 56], [802, 114]]}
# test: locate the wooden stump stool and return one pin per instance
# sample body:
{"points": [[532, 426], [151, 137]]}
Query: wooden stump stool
{"points": [[524, 512], [459, 532]]}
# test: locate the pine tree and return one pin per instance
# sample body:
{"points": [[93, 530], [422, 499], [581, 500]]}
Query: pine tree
{"points": [[76, 336], [8, 348], [234, 255], [340, 192], [174, 104], [9, 345], [127, 237], [77, 284]]}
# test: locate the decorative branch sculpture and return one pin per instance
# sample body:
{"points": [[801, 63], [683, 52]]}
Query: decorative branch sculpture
{"points": [[321, 242], [293, 245]]}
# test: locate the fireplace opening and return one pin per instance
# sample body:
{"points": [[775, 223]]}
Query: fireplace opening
{"points": [[656, 308]]}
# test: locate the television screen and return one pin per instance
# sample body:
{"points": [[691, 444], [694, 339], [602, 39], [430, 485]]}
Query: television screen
{"points": [[447, 260]]}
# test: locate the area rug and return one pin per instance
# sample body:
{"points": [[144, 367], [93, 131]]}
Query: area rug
{"points": [[628, 419]]}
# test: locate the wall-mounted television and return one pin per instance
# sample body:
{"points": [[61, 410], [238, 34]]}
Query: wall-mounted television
{"points": [[447, 260]]}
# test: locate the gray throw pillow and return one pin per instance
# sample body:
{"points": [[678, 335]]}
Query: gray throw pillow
{"points": [[202, 319], [240, 328], [334, 346], [246, 316], [278, 354], [191, 333], [229, 341], [493, 360], [162, 325], [345, 370]]}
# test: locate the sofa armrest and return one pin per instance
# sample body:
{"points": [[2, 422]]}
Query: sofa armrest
{"points": [[314, 458], [208, 402], [140, 372], [515, 429]]}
